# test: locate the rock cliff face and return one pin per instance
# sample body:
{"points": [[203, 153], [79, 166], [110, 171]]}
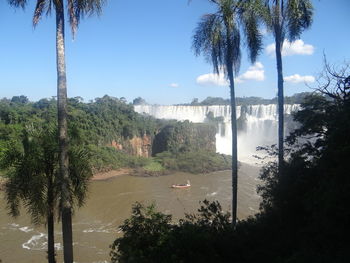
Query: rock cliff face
{"points": [[138, 146], [141, 146]]}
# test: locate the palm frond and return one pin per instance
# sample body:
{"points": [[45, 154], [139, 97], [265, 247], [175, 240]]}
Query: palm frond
{"points": [[250, 16], [13, 196], [236, 49], [209, 40], [39, 9], [80, 173], [290, 17], [299, 17], [17, 3], [218, 35], [77, 9]]}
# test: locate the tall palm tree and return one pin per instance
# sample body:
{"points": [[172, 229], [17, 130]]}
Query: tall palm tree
{"points": [[32, 178], [285, 18], [218, 38], [76, 10]]}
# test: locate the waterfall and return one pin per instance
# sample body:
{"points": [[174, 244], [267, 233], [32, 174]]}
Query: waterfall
{"points": [[260, 128]]}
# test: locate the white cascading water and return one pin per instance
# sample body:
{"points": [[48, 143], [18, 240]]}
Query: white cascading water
{"points": [[261, 124]]}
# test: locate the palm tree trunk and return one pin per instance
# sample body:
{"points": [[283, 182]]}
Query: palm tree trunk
{"points": [[234, 145], [279, 43], [63, 135], [50, 219], [50, 237]]}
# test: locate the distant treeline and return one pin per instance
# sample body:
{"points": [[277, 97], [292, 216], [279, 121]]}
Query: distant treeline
{"points": [[294, 99]]}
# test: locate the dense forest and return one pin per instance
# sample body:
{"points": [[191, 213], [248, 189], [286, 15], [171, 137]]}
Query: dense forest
{"points": [[115, 134]]}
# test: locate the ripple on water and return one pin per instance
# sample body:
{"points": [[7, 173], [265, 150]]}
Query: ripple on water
{"points": [[26, 229], [101, 229], [39, 242], [212, 194], [36, 242]]}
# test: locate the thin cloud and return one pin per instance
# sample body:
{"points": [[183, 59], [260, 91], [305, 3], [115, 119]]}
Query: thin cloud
{"points": [[297, 47], [255, 72], [296, 78], [174, 85]]}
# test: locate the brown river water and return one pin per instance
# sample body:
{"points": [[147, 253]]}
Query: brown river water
{"points": [[95, 225]]}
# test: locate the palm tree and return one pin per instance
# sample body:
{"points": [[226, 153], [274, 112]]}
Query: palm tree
{"points": [[285, 18], [32, 178], [76, 10], [218, 38]]}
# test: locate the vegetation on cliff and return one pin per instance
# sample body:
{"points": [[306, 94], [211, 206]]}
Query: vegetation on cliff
{"points": [[184, 136], [195, 161], [110, 129]]}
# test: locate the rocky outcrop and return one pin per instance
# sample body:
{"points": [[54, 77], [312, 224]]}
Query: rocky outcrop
{"points": [[138, 146], [141, 146]]}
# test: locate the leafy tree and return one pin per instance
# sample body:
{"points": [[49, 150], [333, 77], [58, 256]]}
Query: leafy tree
{"points": [[139, 101], [76, 10], [307, 200], [149, 236], [194, 102], [144, 233], [285, 18], [32, 169], [20, 99], [218, 37]]}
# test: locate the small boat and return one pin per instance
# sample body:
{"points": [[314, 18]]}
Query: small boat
{"points": [[182, 185]]}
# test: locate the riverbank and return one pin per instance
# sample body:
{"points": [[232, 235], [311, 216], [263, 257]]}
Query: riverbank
{"points": [[101, 176], [111, 174]]}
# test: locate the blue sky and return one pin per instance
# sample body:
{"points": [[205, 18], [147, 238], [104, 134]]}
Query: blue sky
{"points": [[143, 48]]}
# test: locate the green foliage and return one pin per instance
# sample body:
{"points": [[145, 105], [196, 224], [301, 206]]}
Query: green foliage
{"points": [[109, 119], [308, 201], [144, 233], [153, 166], [108, 158], [150, 236], [183, 137], [139, 101], [195, 161], [98, 124], [31, 168]]}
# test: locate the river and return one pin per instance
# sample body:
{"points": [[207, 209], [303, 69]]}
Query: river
{"points": [[95, 225]]}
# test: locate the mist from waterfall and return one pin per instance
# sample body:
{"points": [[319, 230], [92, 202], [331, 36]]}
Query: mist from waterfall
{"points": [[260, 126]]}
